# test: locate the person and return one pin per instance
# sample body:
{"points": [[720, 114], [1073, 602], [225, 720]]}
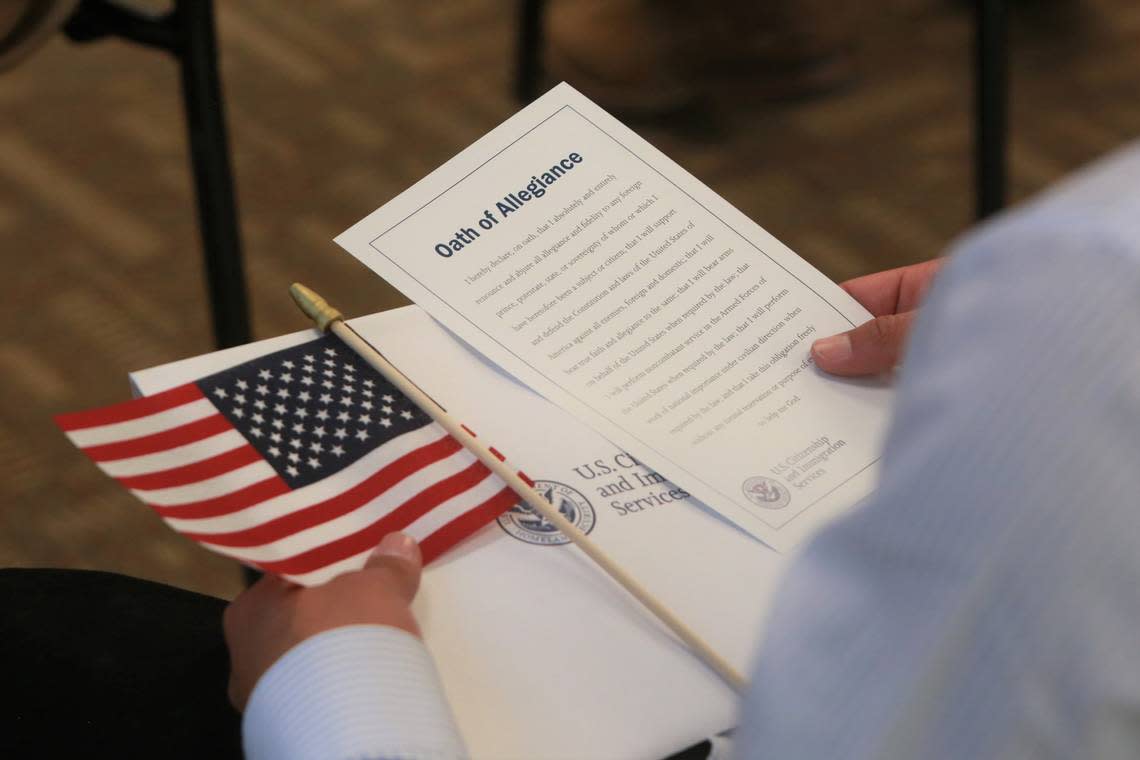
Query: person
{"points": [[982, 603]]}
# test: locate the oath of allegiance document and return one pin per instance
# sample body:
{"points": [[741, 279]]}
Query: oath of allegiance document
{"points": [[594, 269]]}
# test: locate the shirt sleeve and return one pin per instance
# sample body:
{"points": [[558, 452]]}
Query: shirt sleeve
{"points": [[361, 692], [983, 603]]}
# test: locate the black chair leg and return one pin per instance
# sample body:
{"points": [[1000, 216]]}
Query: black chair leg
{"points": [[990, 103], [528, 76], [213, 179], [187, 32]]}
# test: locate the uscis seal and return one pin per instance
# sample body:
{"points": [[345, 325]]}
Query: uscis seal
{"points": [[766, 492], [522, 522]]}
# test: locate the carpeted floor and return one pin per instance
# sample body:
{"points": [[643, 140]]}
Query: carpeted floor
{"points": [[337, 106]]}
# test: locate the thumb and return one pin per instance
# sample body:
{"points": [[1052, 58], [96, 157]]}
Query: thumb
{"points": [[871, 348], [398, 557]]}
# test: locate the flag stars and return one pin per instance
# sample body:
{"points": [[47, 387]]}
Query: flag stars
{"points": [[293, 471], [308, 368], [340, 433], [242, 385], [256, 418], [328, 384], [308, 358], [279, 409], [295, 443], [326, 398], [346, 400], [275, 437], [343, 417], [262, 390], [256, 432], [313, 462], [274, 451], [361, 435], [288, 364], [265, 374], [329, 373], [316, 447], [278, 424], [337, 450], [293, 456], [304, 396], [306, 380], [220, 392], [330, 352], [283, 393], [367, 392], [239, 398], [301, 412], [237, 412], [298, 428], [406, 414], [319, 431], [322, 415], [259, 404], [286, 377], [386, 422], [366, 405], [387, 409], [365, 419], [387, 399]]}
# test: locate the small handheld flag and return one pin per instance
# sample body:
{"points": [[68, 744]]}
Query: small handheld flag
{"points": [[296, 463]]}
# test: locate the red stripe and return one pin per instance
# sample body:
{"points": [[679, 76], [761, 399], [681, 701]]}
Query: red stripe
{"points": [[498, 456], [526, 479], [470, 432], [167, 439], [192, 473], [227, 503], [466, 524], [342, 503], [130, 410], [398, 519]]}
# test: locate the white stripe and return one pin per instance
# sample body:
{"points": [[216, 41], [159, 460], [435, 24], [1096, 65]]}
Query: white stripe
{"points": [[154, 423], [314, 493], [176, 457], [211, 488], [445, 513], [328, 572], [365, 515]]}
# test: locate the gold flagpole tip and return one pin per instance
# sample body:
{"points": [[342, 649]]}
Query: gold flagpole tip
{"points": [[315, 307]]}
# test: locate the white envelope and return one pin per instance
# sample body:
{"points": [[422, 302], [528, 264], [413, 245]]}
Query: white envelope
{"points": [[540, 653]]}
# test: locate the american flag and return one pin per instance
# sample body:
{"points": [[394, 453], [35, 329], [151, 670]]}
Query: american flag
{"points": [[296, 463]]}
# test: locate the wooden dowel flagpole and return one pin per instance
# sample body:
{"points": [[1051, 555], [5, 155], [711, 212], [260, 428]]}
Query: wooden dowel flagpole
{"points": [[329, 319]]}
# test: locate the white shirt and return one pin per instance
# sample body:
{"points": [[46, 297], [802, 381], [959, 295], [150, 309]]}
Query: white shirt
{"points": [[983, 603]]}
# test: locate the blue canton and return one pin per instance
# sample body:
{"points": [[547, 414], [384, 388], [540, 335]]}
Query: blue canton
{"points": [[312, 410]]}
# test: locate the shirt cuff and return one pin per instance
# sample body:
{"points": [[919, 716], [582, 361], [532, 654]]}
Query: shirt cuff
{"points": [[362, 691]]}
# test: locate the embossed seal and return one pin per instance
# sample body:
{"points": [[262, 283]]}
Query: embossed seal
{"points": [[522, 522], [766, 492]]}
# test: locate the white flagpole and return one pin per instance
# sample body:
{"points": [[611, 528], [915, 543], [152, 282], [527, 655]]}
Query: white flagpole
{"points": [[329, 319]]}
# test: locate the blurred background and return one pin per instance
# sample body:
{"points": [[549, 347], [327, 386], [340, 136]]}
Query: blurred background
{"points": [[846, 135]]}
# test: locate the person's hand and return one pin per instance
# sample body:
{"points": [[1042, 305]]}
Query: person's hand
{"points": [[272, 616], [876, 346]]}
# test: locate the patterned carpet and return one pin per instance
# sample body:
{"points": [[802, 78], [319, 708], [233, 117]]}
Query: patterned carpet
{"points": [[337, 106]]}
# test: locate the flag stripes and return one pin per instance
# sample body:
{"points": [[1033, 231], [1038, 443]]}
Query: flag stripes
{"points": [[186, 454]]}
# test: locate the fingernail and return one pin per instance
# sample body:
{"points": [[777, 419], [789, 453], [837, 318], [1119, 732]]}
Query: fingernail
{"points": [[833, 350], [397, 545]]}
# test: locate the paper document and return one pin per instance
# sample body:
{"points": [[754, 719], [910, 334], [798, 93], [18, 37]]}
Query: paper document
{"points": [[584, 262], [540, 654]]}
